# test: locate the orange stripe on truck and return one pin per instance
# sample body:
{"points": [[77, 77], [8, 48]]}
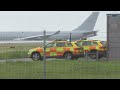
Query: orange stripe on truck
{"points": [[59, 53], [52, 49], [92, 47], [40, 50], [47, 53], [86, 50], [66, 49]]}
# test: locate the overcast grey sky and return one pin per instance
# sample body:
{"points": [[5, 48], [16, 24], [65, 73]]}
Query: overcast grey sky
{"points": [[48, 20]]}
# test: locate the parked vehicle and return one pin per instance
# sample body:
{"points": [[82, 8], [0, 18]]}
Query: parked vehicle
{"points": [[92, 47], [57, 49]]}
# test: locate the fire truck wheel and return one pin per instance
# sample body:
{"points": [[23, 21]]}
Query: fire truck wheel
{"points": [[36, 56], [68, 56], [93, 55]]}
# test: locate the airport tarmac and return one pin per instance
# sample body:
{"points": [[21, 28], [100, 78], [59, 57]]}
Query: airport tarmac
{"points": [[5, 42], [21, 59], [14, 60]]}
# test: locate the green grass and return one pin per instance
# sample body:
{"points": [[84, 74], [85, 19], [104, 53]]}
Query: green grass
{"points": [[61, 69], [19, 50]]}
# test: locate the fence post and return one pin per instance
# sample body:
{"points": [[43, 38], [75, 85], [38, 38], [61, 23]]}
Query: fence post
{"points": [[86, 55], [97, 55], [44, 56]]}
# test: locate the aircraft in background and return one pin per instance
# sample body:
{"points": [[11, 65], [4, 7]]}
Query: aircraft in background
{"points": [[85, 30]]}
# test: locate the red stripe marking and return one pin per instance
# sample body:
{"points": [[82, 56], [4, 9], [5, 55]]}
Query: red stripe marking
{"points": [[47, 53], [86, 50], [59, 53], [40, 50], [66, 49], [52, 49], [93, 47]]}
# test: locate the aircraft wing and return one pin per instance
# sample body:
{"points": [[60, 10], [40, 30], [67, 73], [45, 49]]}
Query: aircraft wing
{"points": [[89, 34], [37, 37]]}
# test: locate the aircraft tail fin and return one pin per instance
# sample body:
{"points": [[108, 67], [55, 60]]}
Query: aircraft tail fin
{"points": [[89, 23]]}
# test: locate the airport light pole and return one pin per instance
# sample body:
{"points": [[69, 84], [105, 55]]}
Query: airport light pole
{"points": [[44, 56]]}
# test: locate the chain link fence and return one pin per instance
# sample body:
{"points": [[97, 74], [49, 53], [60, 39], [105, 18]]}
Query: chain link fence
{"points": [[15, 64]]}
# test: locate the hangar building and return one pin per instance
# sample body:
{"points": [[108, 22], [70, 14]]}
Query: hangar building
{"points": [[113, 36]]}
